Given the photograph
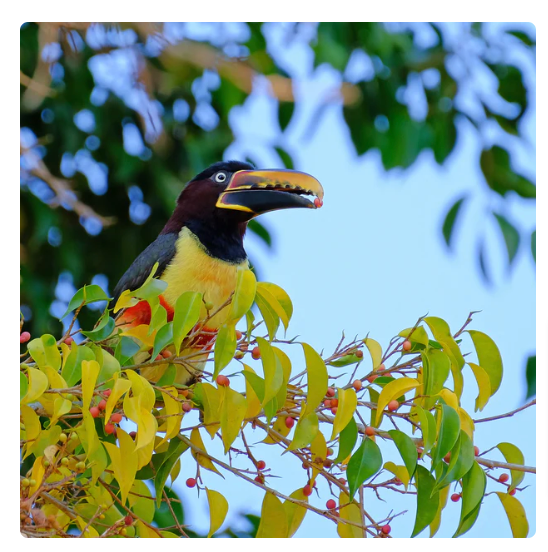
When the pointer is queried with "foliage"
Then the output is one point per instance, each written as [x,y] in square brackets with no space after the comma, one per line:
[83,471]
[116,117]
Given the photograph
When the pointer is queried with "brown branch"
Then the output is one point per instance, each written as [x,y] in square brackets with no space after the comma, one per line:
[508,414]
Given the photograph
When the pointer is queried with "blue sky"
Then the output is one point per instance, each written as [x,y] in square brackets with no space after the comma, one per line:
[373,260]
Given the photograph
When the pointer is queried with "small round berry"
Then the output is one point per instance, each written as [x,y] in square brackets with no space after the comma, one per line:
[327,463]
[128,520]
[327,403]
[107,393]
[123,532]
[116,418]
[33,484]
[504,477]
[393,405]
[386,529]
[359,353]
[209,306]
[133,434]
[476,451]
[239,335]
[166,354]
[511,493]
[102,404]
[24,337]
[370,431]
[334,402]
[455,497]
[25,482]
[239,355]
[187,407]
[406,345]
[64,461]
[191,482]
[381,367]
[63,437]
[260,479]
[80,466]
[329,451]
[222,380]
[289,422]
[334,410]
[94,411]
[159,357]
[372,378]
[342,480]
[110,429]
[69,340]
[307,490]
[357,384]
[330,392]
[256,353]
[261,465]
[330,504]
[447,458]
[46,463]
[74,435]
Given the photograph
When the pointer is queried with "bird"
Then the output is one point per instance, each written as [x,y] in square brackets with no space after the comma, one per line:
[201,246]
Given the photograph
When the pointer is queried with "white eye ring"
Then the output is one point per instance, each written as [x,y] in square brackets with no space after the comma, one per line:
[220,177]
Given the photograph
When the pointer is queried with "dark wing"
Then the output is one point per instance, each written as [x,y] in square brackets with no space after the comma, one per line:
[160,251]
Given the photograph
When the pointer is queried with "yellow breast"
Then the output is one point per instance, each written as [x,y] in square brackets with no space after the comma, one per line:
[192,269]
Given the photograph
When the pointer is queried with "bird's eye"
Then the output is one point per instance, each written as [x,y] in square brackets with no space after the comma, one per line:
[220,177]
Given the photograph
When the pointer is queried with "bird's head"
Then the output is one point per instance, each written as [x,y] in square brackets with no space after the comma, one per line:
[236,191]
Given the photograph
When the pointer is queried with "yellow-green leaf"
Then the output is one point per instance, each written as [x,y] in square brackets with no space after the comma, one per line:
[375,350]
[60,407]
[273,371]
[196,440]
[513,455]
[442,333]
[435,525]
[400,472]
[484,385]
[45,352]
[516,515]
[273,303]
[233,411]
[38,383]
[349,511]
[173,410]
[316,374]
[273,522]
[211,398]
[295,512]
[393,390]
[225,347]
[253,402]
[489,357]
[282,297]
[218,508]
[120,387]
[244,294]
[123,461]
[305,431]
[348,401]
[270,317]
[186,315]
[32,426]
[90,371]
[417,335]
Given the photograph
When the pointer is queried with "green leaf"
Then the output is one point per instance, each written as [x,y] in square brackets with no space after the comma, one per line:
[260,230]
[489,357]
[72,370]
[305,431]
[407,449]
[448,433]
[125,350]
[186,316]
[273,371]
[428,428]
[162,339]
[442,333]
[510,235]
[103,330]
[436,368]
[277,300]
[363,464]
[285,112]
[347,440]
[285,157]
[45,352]
[270,317]
[23,385]
[516,515]
[85,296]
[462,459]
[244,294]
[531,376]
[473,490]
[450,219]
[534,245]
[175,450]
[513,455]
[225,347]
[524,37]
[427,504]
[256,382]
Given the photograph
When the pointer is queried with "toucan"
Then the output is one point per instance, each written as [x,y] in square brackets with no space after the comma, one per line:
[201,246]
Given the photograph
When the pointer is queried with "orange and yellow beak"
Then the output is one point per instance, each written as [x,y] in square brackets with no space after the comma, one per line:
[257,192]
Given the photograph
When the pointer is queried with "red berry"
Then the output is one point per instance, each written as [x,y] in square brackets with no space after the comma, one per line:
[128,520]
[334,410]
[133,434]
[381,367]
[259,479]
[159,357]
[187,407]
[455,497]
[24,337]
[476,451]
[329,451]
[386,529]
[359,353]
[166,354]
[191,482]
[239,335]
[357,384]
[327,403]
[447,458]
[307,490]
[261,465]
[370,431]
[110,428]
[289,422]
[330,504]
[116,418]
[330,392]
[222,380]
[102,404]
[94,411]
[504,477]
[393,405]
[69,340]
[107,393]
[327,463]
[371,379]
[406,345]
[512,492]
[256,353]
[334,402]
[342,480]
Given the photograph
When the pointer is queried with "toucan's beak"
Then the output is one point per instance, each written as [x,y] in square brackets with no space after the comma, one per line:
[257,192]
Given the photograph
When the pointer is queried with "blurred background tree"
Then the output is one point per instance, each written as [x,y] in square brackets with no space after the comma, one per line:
[116,117]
